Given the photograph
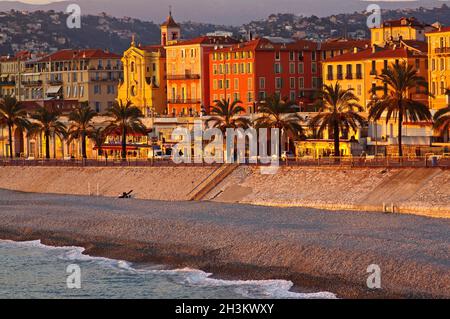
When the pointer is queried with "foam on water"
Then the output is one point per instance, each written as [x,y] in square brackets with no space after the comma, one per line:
[190,277]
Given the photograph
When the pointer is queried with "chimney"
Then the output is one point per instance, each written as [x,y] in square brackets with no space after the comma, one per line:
[374,48]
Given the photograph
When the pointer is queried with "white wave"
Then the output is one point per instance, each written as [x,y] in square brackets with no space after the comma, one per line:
[277,289]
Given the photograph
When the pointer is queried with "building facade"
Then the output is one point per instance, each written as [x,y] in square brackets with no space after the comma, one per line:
[144,79]
[439,67]
[251,71]
[401,29]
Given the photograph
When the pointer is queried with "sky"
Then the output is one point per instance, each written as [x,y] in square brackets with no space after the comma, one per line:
[228,11]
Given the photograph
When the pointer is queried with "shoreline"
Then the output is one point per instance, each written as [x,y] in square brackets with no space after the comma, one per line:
[235,241]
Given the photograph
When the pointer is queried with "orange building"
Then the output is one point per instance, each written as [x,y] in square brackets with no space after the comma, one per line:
[188,88]
[251,71]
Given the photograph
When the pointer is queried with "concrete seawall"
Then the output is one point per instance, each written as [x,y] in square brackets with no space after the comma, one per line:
[418,191]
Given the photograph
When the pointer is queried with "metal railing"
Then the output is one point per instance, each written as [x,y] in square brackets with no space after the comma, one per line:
[355,162]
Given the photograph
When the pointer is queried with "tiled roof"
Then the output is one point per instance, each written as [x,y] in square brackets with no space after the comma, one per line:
[208,40]
[442,29]
[368,54]
[342,44]
[264,44]
[64,55]
[412,22]
[419,45]
[170,22]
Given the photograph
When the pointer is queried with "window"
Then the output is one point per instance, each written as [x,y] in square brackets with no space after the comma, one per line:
[277,68]
[249,68]
[262,96]
[97,89]
[442,88]
[277,55]
[301,83]
[262,83]
[227,84]
[291,56]
[236,96]
[315,82]
[235,68]
[314,67]
[292,83]
[359,89]
[250,96]
[278,83]
[417,64]
[236,84]
[220,84]
[330,73]
[215,86]
[81,91]
[291,68]
[301,68]
[313,56]
[292,96]
[215,69]
[97,107]
[250,83]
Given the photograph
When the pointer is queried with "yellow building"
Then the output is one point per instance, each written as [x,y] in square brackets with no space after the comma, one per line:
[439,66]
[144,81]
[402,29]
[358,71]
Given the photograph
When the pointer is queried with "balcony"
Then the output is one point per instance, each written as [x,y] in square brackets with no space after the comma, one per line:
[184,101]
[442,50]
[184,77]
[32,83]
[374,72]
[55,82]
[359,76]
[349,76]
[7,83]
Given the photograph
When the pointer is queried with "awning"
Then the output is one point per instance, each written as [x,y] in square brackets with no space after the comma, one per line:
[54,89]
[117,148]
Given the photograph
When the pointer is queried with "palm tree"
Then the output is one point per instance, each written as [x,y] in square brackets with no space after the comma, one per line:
[442,119]
[281,114]
[98,136]
[226,115]
[400,79]
[13,114]
[126,118]
[47,122]
[81,126]
[338,112]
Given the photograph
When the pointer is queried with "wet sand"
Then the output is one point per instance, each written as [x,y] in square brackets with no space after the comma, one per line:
[317,250]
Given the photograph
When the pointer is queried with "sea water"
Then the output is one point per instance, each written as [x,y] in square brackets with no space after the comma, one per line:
[32,270]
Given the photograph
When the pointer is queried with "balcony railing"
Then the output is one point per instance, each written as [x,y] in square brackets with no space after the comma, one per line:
[349,76]
[184,77]
[359,76]
[32,83]
[442,50]
[184,101]
[55,82]
[373,72]
[7,83]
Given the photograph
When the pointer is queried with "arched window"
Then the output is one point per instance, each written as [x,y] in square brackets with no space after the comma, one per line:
[132,66]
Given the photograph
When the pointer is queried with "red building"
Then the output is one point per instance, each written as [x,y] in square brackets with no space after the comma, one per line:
[253,70]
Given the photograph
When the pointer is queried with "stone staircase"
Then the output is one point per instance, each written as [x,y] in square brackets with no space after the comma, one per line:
[208,184]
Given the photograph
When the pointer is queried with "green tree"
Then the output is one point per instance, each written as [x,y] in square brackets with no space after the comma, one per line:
[13,114]
[46,121]
[81,124]
[442,119]
[280,113]
[98,136]
[226,115]
[399,81]
[338,112]
[126,118]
